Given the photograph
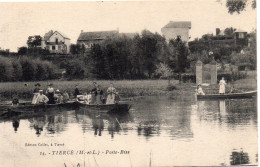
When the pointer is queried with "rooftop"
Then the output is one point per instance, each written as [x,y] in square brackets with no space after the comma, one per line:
[178,24]
[96,35]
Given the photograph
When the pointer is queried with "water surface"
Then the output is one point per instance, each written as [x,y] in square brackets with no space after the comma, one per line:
[157,131]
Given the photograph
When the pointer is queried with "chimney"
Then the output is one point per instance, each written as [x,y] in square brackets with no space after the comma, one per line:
[217,31]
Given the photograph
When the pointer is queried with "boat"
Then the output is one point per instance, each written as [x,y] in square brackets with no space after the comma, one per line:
[29,107]
[104,108]
[248,94]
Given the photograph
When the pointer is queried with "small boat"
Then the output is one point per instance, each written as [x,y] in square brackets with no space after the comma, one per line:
[248,94]
[118,107]
[28,107]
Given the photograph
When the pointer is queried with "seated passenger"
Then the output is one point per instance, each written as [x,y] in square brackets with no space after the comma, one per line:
[58,96]
[65,96]
[199,90]
[99,95]
[15,100]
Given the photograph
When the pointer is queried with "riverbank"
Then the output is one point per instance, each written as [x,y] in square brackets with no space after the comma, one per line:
[126,88]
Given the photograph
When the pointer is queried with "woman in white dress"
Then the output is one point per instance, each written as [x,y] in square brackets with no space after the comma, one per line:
[222,84]
[111,91]
[36,93]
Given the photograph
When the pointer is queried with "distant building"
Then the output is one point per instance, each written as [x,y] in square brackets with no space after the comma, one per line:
[90,38]
[56,42]
[174,29]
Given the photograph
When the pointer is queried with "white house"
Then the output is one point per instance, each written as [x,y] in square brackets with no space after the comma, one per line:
[56,42]
[174,29]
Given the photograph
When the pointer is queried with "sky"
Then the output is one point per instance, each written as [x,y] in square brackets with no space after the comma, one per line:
[18,20]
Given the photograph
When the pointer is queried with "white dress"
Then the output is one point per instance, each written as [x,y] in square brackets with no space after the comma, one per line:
[111,95]
[222,84]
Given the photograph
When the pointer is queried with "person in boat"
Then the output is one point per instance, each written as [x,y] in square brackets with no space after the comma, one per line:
[222,84]
[58,96]
[111,94]
[93,93]
[99,95]
[76,92]
[16,123]
[15,100]
[36,92]
[200,90]
[65,96]
[42,99]
[50,94]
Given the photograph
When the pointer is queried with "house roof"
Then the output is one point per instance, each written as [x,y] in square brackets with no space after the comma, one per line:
[96,35]
[178,24]
[130,35]
[50,33]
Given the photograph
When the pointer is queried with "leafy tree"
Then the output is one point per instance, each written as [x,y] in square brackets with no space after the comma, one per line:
[179,54]
[229,31]
[238,5]
[22,50]
[34,41]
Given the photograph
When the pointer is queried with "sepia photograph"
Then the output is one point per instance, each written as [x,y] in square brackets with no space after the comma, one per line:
[128,83]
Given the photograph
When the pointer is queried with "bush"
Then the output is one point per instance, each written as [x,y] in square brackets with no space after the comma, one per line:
[6,69]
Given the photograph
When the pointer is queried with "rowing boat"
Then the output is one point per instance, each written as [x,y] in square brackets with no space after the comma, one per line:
[27,107]
[104,108]
[248,94]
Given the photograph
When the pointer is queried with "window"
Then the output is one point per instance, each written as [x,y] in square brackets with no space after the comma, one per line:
[56,40]
[53,47]
[241,35]
[48,47]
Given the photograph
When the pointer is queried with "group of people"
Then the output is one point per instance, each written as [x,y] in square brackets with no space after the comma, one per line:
[222,88]
[52,96]
[97,96]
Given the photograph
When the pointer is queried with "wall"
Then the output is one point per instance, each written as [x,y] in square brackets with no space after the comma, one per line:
[171,33]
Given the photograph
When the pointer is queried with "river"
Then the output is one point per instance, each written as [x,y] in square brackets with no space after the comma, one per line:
[157,131]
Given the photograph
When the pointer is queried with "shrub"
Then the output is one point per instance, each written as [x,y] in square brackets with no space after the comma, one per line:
[6,69]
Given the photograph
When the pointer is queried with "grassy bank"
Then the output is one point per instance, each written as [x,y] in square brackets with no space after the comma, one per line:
[126,88]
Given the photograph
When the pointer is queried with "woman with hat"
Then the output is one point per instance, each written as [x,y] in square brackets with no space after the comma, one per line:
[99,95]
[50,94]
[36,92]
[58,96]
[111,91]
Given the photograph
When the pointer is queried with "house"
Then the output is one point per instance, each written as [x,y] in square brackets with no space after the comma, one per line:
[174,29]
[56,42]
[90,38]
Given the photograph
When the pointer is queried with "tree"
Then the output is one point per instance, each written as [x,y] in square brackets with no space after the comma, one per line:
[229,31]
[238,5]
[179,53]
[22,50]
[34,41]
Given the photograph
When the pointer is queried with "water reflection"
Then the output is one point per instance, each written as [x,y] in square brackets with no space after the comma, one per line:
[208,129]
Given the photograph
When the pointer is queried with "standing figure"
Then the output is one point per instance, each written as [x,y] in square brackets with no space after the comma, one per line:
[65,97]
[36,92]
[222,84]
[93,93]
[111,91]
[99,96]
[50,94]
[42,99]
[76,92]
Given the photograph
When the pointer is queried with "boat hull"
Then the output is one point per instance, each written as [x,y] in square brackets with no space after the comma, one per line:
[105,108]
[228,96]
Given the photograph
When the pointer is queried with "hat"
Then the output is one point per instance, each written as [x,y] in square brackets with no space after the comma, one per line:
[50,84]
[37,84]
[40,90]
[57,90]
